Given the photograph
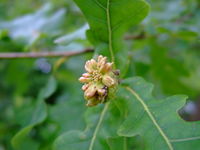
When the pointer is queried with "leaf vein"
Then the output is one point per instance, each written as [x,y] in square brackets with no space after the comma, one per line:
[109,31]
[185,139]
[151,117]
[100,5]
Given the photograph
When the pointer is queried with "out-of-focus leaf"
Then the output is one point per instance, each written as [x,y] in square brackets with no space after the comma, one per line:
[72,140]
[49,89]
[79,34]
[167,70]
[36,117]
[193,81]
[30,27]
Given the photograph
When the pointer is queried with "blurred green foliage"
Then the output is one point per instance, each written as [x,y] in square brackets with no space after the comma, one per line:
[39,103]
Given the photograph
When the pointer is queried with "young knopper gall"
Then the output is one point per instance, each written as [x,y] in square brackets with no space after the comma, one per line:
[100,81]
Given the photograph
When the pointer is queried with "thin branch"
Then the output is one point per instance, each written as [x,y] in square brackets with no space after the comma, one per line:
[14,55]
[184,18]
[43,54]
[135,37]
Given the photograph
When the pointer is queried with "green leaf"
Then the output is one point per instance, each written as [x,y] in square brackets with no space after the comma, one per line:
[49,89]
[37,116]
[166,69]
[62,114]
[87,138]
[101,124]
[79,34]
[124,143]
[41,21]
[72,140]
[108,21]
[156,121]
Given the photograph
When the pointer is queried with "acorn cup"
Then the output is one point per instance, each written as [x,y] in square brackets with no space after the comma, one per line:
[100,81]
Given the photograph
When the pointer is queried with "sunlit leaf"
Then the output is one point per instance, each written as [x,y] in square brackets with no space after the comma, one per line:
[77,35]
[31,26]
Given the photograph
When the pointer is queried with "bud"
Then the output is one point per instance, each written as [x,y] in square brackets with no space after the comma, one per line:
[85,87]
[86,75]
[106,68]
[91,65]
[102,60]
[108,81]
[102,92]
[99,58]
[90,92]
[84,80]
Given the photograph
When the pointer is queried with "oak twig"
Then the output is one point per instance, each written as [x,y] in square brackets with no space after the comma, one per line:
[135,37]
[14,55]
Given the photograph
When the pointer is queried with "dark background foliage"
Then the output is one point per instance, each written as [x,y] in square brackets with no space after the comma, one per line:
[43,95]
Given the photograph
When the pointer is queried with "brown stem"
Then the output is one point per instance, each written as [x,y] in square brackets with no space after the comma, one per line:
[135,37]
[14,55]
[43,54]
